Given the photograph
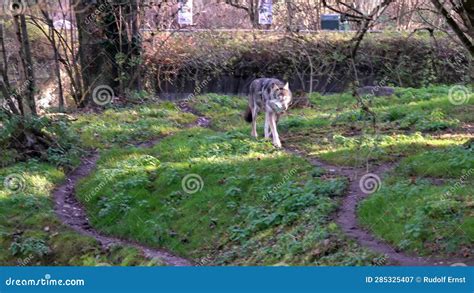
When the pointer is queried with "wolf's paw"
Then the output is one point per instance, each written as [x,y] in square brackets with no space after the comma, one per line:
[277,144]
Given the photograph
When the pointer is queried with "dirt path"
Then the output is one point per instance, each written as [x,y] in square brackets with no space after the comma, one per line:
[72,213]
[346,217]
[202,121]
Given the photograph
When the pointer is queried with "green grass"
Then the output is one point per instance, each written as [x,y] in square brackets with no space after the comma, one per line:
[124,126]
[257,205]
[422,217]
[450,162]
[30,232]
[357,151]
[32,235]
[224,111]
[407,123]
[425,205]
[409,127]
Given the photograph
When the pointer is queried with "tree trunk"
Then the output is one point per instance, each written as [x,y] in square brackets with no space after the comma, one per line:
[57,66]
[97,64]
[5,82]
[19,22]
[469,7]
[110,49]
[290,14]
[136,46]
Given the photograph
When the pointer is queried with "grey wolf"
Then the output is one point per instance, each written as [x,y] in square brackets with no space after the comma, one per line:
[272,96]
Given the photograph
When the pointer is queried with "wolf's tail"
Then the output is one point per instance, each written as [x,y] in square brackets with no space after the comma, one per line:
[248,115]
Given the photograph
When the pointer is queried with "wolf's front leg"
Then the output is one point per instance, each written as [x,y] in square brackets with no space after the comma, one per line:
[273,127]
[267,124]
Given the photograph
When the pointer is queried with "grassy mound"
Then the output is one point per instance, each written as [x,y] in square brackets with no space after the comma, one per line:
[425,205]
[30,232]
[32,235]
[253,204]
[219,196]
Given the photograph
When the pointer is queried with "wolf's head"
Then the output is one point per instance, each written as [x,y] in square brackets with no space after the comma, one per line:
[282,95]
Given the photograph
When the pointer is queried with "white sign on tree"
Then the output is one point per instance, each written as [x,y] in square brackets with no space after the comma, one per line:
[185,12]
[265,14]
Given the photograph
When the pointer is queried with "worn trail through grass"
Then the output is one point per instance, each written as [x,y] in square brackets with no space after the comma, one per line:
[346,217]
[73,214]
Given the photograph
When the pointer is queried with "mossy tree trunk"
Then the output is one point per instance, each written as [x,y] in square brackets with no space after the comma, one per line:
[109,45]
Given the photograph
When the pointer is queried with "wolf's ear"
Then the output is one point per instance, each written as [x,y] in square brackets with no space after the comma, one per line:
[287,86]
